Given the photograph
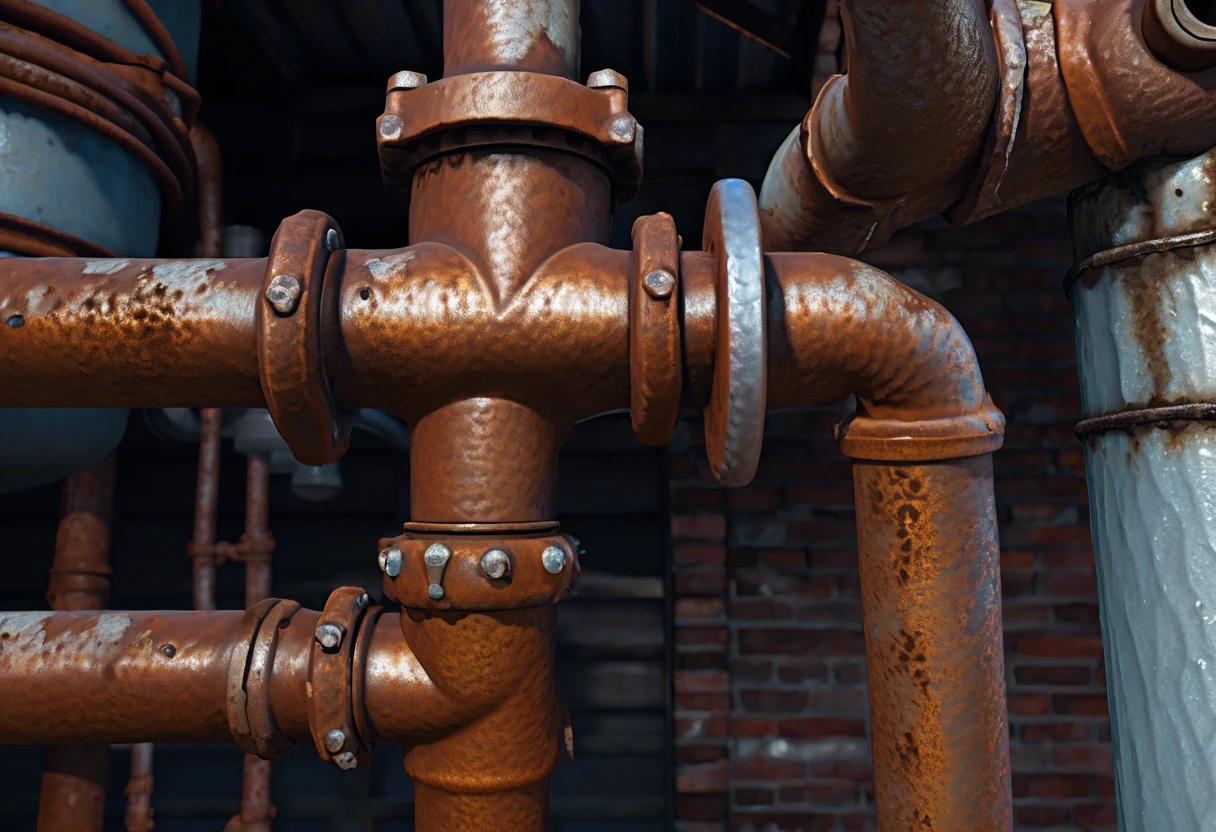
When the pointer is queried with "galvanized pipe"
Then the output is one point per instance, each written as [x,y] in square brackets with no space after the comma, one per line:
[74,776]
[1144,297]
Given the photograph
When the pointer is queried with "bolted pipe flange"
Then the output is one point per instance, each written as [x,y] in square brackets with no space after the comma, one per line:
[521,109]
[656,368]
[331,698]
[291,365]
[734,419]
[475,569]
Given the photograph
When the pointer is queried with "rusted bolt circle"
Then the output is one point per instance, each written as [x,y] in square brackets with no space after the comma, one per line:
[659,284]
[329,636]
[390,561]
[334,740]
[346,761]
[554,559]
[284,294]
[390,127]
[406,80]
[607,79]
[496,563]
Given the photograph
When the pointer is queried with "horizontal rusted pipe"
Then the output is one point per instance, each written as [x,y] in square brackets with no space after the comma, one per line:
[112,677]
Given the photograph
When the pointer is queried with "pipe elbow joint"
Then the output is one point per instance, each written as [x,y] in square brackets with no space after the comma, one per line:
[840,327]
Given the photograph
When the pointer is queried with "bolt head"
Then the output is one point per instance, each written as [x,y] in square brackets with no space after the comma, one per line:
[659,284]
[554,559]
[390,128]
[334,741]
[437,555]
[390,561]
[406,80]
[623,129]
[362,600]
[435,591]
[329,636]
[496,563]
[346,761]
[283,293]
[333,240]
[607,79]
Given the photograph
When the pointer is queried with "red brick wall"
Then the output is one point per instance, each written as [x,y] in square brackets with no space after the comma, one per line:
[771,714]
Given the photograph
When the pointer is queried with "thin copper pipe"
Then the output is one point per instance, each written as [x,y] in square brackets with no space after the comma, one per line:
[205,507]
[139,789]
[74,776]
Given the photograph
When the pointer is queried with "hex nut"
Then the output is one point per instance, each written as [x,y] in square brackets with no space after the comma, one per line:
[406,80]
[390,561]
[329,636]
[283,293]
[554,559]
[659,284]
[496,563]
[346,761]
[334,740]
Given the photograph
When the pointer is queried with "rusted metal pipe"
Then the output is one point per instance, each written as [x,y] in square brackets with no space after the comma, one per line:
[74,776]
[1066,110]
[139,814]
[528,36]
[206,498]
[257,810]
[907,120]
[922,439]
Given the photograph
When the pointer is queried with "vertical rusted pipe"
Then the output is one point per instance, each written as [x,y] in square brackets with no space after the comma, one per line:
[257,810]
[202,546]
[525,35]
[930,579]
[139,789]
[74,776]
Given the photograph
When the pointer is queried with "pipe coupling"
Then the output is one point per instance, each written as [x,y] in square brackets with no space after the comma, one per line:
[480,567]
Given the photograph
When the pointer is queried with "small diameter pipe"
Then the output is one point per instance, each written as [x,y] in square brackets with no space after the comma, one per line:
[74,776]
[139,789]
[257,810]
[206,497]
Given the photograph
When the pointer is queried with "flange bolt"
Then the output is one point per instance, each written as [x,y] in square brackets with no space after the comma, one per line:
[390,561]
[329,636]
[284,293]
[334,741]
[346,761]
[554,559]
[496,563]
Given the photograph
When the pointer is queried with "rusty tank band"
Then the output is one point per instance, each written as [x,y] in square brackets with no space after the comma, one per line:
[1130,251]
[1160,416]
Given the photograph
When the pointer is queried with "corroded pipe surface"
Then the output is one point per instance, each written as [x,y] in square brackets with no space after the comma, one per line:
[73,797]
[139,814]
[74,776]
[162,333]
[206,497]
[930,576]
[526,35]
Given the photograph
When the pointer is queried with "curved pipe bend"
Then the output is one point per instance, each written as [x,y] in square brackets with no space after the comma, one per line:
[839,327]
[909,118]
